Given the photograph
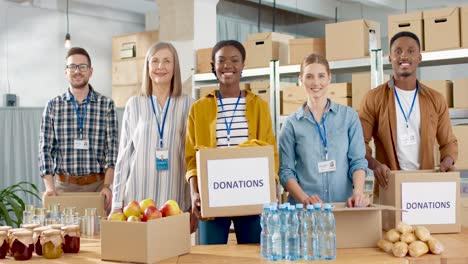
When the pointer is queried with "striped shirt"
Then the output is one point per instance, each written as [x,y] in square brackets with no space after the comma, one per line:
[59,129]
[136,177]
[239,128]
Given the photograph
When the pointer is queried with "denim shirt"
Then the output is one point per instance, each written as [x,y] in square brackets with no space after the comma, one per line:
[301,148]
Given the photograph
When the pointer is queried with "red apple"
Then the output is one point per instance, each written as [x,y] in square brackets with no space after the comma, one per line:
[133,218]
[145,203]
[171,207]
[152,213]
[133,208]
[117,217]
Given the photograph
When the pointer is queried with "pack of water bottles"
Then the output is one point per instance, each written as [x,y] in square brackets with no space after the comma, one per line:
[292,233]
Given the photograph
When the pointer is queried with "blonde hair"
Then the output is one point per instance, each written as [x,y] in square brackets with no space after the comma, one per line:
[176,81]
[314,58]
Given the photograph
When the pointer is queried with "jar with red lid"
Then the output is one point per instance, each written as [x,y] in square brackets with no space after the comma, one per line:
[21,245]
[4,245]
[51,241]
[37,232]
[71,239]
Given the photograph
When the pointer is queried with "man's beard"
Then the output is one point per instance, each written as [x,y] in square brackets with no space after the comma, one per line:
[405,74]
[81,85]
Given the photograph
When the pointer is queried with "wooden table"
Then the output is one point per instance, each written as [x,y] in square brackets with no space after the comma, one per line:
[456,252]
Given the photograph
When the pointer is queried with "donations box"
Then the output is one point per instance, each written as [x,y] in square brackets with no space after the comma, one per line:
[427,198]
[235,181]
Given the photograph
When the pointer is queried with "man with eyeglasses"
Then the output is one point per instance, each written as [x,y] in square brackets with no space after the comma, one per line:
[78,137]
[405,117]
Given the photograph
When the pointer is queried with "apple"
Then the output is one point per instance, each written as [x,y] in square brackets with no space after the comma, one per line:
[119,216]
[132,209]
[133,218]
[143,218]
[152,212]
[145,203]
[171,207]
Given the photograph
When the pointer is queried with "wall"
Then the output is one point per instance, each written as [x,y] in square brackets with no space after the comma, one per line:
[31,44]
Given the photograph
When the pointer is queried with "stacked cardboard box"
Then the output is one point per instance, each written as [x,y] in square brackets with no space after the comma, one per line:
[411,22]
[355,34]
[292,98]
[442,29]
[361,83]
[261,48]
[445,87]
[460,93]
[464,26]
[340,93]
[128,58]
[204,60]
[300,48]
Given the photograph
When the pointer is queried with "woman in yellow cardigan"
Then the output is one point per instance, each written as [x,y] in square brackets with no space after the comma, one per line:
[226,117]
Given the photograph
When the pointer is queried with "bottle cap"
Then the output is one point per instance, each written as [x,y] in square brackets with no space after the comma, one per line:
[299,206]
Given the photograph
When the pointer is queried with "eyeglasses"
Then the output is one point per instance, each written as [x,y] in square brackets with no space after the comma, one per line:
[81,67]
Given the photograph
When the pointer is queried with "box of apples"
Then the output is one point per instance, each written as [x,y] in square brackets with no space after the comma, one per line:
[145,234]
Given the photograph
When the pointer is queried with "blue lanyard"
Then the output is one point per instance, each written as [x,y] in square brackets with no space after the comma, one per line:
[228,127]
[323,136]
[412,104]
[77,112]
[160,129]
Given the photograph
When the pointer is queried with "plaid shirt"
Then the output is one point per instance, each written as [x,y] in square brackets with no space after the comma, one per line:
[59,129]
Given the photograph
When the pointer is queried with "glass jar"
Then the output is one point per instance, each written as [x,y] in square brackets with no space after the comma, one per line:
[71,237]
[37,232]
[22,246]
[4,245]
[28,214]
[10,233]
[40,216]
[68,216]
[51,241]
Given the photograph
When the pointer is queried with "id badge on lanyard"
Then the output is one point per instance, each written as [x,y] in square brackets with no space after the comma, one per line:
[162,154]
[408,138]
[80,143]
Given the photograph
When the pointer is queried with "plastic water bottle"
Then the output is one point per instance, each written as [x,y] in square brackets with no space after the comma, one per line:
[309,249]
[319,228]
[292,235]
[300,216]
[265,235]
[275,230]
[283,215]
[329,236]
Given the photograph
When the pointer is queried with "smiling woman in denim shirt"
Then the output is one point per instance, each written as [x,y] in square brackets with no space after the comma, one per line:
[321,145]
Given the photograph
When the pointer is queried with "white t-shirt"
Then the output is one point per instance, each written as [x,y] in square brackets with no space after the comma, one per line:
[408,137]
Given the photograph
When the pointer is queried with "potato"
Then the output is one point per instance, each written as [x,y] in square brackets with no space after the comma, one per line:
[404,228]
[422,233]
[417,248]
[385,245]
[400,249]
[435,246]
[408,238]
[392,235]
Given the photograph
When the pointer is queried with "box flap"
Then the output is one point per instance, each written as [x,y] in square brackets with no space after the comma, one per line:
[441,13]
[259,36]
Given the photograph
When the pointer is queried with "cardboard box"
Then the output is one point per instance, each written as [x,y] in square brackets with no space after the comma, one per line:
[145,242]
[235,181]
[121,94]
[204,60]
[176,20]
[445,87]
[442,28]
[412,22]
[261,48]
[141,40]
[336,90]
[342,101]
[464,26]
[430,198]
[206,90]
[461,133]
[291,99]
[261,89]
[460,93]
[80,200]
[464,202]
[358,227]
[355,34]
[300,48]
[361,84]
[127,72]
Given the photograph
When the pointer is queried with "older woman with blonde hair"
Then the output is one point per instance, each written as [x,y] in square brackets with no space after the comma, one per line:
[150,162]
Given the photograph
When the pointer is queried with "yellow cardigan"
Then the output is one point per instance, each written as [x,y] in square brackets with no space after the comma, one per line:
[201,127]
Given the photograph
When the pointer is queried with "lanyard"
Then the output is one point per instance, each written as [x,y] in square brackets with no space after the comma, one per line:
[160,129]
[412,104]
[77,112]
[323,136]
[228,127]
